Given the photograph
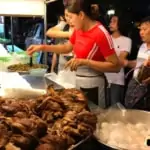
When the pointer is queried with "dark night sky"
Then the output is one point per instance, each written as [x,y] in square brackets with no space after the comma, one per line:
[136,9]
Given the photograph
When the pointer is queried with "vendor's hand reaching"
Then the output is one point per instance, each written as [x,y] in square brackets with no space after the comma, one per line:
[124,63]
[34,48]
[147,81]
[147,63]
[74,63]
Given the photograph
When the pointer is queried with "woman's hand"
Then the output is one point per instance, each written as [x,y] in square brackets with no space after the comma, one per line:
[147,63]
[74,63]
[34,48]
[124,63]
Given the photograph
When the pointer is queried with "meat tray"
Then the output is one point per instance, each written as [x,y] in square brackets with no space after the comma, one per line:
[58,120]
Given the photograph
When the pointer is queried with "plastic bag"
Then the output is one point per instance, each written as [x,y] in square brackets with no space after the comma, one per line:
[20,89]
[22,57]
[65,78]
[25,93]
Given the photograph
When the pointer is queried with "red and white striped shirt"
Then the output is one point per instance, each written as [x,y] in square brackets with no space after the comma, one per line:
[95,44]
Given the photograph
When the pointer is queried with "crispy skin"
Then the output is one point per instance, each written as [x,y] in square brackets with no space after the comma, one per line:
[4,135]
[46,147]
[55,121]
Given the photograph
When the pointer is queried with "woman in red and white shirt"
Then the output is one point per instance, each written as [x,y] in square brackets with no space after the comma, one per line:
[93,49]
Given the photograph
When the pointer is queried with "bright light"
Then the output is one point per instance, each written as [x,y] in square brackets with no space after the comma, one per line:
[49,1]
[111,12]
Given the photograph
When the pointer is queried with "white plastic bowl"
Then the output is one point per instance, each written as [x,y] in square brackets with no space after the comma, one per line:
[38,72]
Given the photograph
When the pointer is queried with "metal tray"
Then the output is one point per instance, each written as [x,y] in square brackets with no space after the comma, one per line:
[79,143]
[38,82]
[20,72]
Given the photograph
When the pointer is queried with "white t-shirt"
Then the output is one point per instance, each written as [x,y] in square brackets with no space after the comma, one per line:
[121,44]
[143,55]
[61,25]
[62,60]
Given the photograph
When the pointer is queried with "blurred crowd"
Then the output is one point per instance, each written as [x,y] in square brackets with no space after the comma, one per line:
[131,84]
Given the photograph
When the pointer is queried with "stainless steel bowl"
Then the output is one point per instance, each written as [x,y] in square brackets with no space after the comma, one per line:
[125,116]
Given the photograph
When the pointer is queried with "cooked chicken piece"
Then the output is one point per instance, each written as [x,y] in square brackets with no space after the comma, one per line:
[10,108]
[21,115]
[4,135]
[47,116]
[34,124]
[59,140]
[57,99]
[71,131]
[89,127]
[70,115]
[58,125]
[58,114]
[46,147]
[42,106]
[69,123]
[48,104]
[11,146]
[77,107]
[51,91]
[87,117]
[76,95]
[84,130]
[69,140]
[18,128]
[20,141]
[64,112]
[28,124]
[54,106]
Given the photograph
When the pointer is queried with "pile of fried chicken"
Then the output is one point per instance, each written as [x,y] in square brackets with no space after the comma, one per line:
[54,121]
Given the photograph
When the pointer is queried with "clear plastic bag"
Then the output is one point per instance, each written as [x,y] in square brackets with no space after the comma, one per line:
[65,78]
[20,89]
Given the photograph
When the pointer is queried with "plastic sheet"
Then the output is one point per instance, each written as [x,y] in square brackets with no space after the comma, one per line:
[65,78]
[15,86]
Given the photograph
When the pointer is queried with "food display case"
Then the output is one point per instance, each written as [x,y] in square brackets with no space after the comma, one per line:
[24,9]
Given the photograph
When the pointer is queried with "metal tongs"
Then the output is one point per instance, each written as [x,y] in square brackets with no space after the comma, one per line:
[79,143]
[31,61]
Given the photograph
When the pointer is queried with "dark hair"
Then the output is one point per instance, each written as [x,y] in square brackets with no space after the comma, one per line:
[124,24]
[76,6]
[66,28]
[61,15]
[146,20]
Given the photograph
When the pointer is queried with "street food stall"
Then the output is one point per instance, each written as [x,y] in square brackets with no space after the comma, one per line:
[37,113]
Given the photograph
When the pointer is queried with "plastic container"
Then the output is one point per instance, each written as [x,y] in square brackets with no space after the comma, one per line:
[23,58]
[4,62]
[38,72]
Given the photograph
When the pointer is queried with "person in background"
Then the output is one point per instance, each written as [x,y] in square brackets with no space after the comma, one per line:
[61,32]
[143,55]
[122,47]
[93,50]
[100,14]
